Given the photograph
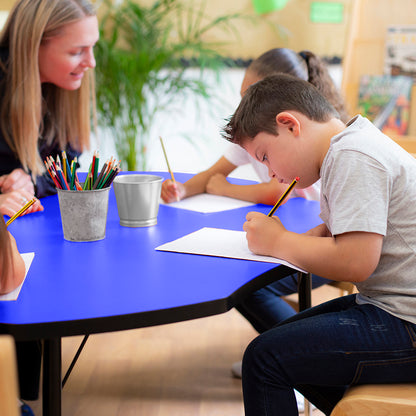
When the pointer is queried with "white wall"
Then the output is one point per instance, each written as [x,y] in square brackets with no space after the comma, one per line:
[191,135]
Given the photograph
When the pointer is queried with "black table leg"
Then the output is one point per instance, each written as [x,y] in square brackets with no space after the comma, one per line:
[52,384]
[304,290]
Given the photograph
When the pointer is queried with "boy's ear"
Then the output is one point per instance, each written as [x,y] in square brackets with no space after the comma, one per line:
[289,121]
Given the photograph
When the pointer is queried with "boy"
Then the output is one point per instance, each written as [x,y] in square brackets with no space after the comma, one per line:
[368,237]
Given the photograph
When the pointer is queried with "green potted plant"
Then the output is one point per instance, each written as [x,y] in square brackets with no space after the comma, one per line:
[142,60]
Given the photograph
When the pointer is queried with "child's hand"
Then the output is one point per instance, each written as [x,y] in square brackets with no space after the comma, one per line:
[262,233]
[11,202]
[172,191]
[217,184]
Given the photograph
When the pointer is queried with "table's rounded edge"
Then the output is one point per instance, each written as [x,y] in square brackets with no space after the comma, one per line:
[45,330]
[59,329]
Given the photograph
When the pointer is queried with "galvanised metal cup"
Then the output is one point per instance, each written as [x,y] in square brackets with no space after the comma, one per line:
[84,214]
[138,197]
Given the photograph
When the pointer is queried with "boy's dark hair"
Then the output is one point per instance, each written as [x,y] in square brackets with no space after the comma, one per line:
[265,99]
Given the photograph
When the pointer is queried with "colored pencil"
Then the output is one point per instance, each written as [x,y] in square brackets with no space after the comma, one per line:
[100,176]
[284,195]
[69,180]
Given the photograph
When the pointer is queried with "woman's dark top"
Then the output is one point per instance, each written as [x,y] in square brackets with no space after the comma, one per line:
[8,159]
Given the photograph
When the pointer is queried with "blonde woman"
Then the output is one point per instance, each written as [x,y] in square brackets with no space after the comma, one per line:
[46,47]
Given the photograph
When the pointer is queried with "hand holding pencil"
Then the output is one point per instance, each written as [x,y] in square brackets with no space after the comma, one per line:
[263,231]
[171,188]
[12,202]
[22,210]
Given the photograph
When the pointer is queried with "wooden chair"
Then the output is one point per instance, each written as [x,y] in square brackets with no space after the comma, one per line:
[378,400]
[8,377]
[346,288]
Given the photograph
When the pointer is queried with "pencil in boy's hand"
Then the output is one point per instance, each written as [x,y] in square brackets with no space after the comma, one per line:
[21,210]
[167,162]
[284,195]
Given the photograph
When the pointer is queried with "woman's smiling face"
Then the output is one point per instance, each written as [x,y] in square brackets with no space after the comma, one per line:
[63,59]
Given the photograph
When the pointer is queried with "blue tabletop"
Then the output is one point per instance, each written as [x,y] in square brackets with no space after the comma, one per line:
[72,287]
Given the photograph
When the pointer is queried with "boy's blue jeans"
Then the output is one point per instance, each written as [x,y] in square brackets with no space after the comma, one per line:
[264,308]
[321,351]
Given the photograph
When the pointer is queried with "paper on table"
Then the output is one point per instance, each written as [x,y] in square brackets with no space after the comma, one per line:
[207,203]
[219,243]
[27,257]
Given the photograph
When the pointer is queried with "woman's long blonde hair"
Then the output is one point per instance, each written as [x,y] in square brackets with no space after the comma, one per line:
[28,110]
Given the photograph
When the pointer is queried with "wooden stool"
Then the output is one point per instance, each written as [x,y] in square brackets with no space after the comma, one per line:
[346,288]
[8,377]
[378,400]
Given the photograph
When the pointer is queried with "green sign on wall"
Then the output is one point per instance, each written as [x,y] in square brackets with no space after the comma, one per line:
[267,6]
[326,12]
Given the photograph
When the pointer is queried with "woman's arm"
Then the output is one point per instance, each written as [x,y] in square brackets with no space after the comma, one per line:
[17,179]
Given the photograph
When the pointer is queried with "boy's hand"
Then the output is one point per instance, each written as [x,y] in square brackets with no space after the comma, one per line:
[172,191]
[262,233]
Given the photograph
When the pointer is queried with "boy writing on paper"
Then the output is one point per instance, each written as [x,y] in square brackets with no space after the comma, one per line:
[264,308]
[368,237]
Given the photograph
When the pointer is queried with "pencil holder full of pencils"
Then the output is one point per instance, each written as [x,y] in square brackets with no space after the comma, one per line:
[84,214]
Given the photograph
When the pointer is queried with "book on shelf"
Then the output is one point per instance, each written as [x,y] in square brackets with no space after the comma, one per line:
[385,100]
[400,50]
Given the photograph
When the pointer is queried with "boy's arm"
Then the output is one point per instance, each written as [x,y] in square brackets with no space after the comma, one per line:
[320,230]
[348,257]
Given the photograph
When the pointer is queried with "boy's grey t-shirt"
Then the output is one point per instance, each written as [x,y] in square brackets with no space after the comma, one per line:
[368,183]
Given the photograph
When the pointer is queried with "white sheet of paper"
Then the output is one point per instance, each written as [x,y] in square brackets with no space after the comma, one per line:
[207,203]
[219,243]
[27,257]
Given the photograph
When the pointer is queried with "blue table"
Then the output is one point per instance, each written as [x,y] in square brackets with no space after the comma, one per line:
[121,282]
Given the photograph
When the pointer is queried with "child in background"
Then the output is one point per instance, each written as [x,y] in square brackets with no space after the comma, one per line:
[368,237]
[304,65]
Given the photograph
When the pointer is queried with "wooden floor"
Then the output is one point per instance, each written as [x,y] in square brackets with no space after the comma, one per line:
[171,370]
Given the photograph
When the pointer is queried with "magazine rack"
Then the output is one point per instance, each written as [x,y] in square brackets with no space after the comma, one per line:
[365,50]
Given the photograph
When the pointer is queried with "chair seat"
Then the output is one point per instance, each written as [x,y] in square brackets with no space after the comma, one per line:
[346,288]
[378,400]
